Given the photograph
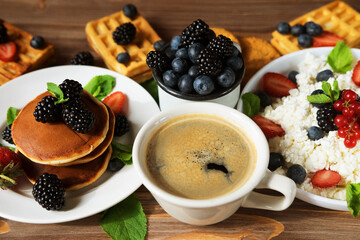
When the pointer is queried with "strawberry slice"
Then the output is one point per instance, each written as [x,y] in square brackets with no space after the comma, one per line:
[10,165]
[7,51]
[277,85]
[269,128]
[115,101]
[325,178]
[326,39]
[356,74]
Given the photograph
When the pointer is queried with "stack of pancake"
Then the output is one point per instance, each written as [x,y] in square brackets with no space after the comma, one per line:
[77,159]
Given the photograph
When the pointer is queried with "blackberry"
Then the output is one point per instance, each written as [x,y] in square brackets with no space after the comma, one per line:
[49,192]
[47,111]
[6,134]
[82,58]
[198,31]
[77,117]
[325,117]
[124,34]
[72,89]
[3,34]
[209,64]
[221,46]
[158,60]
[122,125]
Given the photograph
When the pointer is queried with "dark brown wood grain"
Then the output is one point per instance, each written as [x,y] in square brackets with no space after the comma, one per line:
[62,22]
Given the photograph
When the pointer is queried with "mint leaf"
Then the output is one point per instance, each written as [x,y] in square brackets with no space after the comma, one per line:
[353,198]
[326,87]
[11,115]
[100,86]
[11,148]
[319,98]
[251,104]
[122,152]
[57,92]
[152,88]
[125,220]
[340,58]
[335,91]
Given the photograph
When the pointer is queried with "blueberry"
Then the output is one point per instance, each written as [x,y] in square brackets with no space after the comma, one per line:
[297,173]
[297,29]
[175,42]
[203,85]
[115,165]
[292,76]
[182,53]
[265,99]
[158,45]
[235,51]
[185,84]
[313,29]
[315,133]
[276,160]
[226,78]
[179,65]
[130,10]
[37,42]
[316,92]
[305,40]
[123,57]
[324,75]
[170,53]
[283,28]
[170,78]
[194,51]
[193,71]
[236,63]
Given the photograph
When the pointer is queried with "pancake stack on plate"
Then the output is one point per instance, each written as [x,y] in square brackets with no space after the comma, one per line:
[77,159]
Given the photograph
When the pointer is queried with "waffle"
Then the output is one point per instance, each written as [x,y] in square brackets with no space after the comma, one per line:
[28,58]
[225,33]
[99,34]
[336,17]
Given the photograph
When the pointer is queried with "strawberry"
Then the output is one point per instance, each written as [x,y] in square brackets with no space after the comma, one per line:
[277,85]
[268,127]
[9,168]
[115,101]
[7,51]
[326,39]
[325,178]
[356,74]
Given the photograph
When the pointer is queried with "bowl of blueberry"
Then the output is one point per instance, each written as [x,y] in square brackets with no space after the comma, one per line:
[197,66]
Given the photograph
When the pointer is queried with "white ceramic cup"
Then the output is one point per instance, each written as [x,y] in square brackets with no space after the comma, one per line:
[210,211]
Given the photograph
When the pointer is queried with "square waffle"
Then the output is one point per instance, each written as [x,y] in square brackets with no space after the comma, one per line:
[336,17]
[27,58]
[99,34]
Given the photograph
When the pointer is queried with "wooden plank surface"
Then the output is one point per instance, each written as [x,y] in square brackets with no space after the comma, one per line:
[62,22]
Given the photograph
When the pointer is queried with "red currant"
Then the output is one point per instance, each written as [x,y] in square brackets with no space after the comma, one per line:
[350,142]
[348,112]
[339,105]
[349,95]
[340,121]
[355,126]
[356,107]
[357,134]
[342,132]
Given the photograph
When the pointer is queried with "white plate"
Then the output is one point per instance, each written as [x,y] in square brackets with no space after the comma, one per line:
[111,188]
[284,65]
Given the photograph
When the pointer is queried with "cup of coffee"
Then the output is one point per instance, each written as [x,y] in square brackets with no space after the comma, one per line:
[201,161]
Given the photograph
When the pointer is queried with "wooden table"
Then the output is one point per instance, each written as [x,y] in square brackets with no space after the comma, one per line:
[62,22]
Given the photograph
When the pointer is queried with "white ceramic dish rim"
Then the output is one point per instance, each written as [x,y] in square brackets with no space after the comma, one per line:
[283,65]
[20,205]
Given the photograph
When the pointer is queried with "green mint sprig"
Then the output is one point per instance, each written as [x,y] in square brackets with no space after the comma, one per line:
[122,152]
[125,220]
[100,86]
[251,104]
[11,114]
[340,58]
[353,198]
[331,94]
[57,92]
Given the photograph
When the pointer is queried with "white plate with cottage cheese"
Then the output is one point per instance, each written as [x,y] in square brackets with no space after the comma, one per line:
[295,114]
[18,204]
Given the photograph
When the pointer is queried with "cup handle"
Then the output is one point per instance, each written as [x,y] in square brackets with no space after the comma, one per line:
[276,182]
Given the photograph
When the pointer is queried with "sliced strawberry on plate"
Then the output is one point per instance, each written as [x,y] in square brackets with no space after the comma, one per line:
[325,178]
[356,74]
[277,85]
[115,101]
[326,39]
[9,168]
[269,128]
[7,51]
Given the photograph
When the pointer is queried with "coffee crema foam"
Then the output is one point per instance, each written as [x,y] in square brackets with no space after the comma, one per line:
[200,156]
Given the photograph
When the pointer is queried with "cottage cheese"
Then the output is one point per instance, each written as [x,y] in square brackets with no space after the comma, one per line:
[295,115]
